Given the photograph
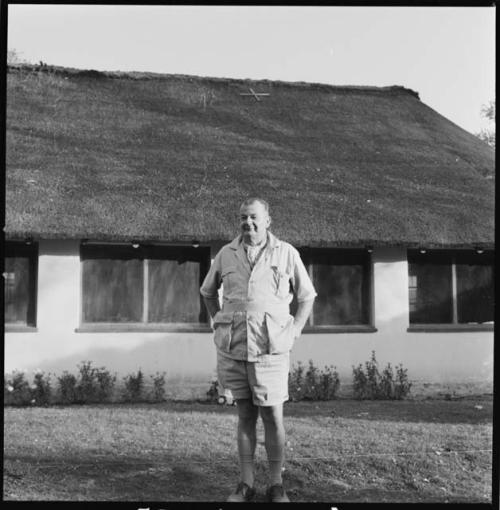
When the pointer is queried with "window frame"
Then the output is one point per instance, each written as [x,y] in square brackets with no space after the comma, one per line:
[307,253]
[13,249]
[446,326]
[144,325]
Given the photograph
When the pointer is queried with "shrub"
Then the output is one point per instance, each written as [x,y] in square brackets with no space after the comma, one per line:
[17,391]
[67,391]
[87,388]
[105,384]
[386,385]
[369,384]
[403,385]
[41,389]
[296,385]
[373,378]
[313,383]
[158,387]
[360,382]
[134,386]
[329,383]
[91,385]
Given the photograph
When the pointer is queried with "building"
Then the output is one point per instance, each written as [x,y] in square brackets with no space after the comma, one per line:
[121,187]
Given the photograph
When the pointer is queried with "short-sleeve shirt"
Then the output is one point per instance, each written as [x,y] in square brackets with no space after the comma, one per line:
[255,318]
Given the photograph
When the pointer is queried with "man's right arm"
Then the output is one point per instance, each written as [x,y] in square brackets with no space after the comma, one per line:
[212,304]
[210,287]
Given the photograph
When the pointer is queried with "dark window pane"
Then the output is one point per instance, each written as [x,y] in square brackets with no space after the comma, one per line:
[475,292]
[20,284]
[112,285]
[431,299]
[175,276]
[16,289]
[340,295]
[341,279]
[174,291]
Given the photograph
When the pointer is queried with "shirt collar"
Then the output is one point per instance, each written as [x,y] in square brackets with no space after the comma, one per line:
[272,241]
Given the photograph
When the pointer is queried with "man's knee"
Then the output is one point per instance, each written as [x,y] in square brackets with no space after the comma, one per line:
[247,411]
[272,415]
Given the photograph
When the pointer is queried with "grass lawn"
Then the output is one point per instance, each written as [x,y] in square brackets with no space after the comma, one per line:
[337,451]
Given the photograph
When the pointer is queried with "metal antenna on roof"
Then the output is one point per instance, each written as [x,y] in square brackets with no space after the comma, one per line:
[254,94]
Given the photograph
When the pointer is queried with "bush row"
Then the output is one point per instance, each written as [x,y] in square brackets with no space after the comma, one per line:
[96,384]
[368,382]
[90,385]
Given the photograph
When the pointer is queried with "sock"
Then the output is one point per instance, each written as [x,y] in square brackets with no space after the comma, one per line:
[246,451]
[275,448]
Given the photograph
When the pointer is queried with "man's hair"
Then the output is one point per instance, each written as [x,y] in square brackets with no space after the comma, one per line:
[252,200]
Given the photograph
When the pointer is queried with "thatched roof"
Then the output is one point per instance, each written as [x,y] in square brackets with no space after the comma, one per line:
[140,156]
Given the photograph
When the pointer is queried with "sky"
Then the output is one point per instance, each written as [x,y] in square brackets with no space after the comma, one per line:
[446,54]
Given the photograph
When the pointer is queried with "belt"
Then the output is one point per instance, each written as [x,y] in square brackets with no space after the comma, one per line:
[248,306]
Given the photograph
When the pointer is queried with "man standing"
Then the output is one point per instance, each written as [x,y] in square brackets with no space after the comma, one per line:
[254,333]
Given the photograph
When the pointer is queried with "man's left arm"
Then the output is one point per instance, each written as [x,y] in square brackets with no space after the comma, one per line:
[304,291]
[304,309]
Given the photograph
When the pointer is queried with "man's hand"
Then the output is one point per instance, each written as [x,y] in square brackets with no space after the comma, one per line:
[297,331]
[303,311]
[212,305]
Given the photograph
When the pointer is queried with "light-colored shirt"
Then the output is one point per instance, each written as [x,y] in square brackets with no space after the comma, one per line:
[255,318]
[253,252]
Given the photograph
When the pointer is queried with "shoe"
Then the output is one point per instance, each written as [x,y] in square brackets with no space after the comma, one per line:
[242,494]
[276,494]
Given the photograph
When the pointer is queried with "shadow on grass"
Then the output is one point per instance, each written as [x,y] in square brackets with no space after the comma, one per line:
[130,478]
[427,411]
[126,478]
[472,411]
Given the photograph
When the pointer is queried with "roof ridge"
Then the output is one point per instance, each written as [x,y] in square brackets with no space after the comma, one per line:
[145,75]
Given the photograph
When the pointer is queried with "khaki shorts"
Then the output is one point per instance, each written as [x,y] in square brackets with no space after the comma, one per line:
[265,381]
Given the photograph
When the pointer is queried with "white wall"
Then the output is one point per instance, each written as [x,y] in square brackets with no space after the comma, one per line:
[189,358]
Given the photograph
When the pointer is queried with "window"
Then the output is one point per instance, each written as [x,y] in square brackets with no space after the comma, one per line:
[451,287]
[20,284]
[143,286]
[342,279]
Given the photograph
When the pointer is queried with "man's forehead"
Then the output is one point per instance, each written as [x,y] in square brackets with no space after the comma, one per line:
[252,208]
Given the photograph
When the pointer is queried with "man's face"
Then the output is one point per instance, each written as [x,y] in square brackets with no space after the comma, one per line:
[254,221]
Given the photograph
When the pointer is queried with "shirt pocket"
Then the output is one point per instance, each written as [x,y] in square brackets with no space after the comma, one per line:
[280,332]
[223,326]
[281,282]
[229,279]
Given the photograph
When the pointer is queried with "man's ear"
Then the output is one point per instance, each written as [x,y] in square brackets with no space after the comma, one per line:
[268,221]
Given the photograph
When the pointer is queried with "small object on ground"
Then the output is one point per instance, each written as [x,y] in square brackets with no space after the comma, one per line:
[225,397]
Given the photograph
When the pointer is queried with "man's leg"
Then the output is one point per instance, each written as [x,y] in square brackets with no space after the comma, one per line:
[274,431]
[247,438]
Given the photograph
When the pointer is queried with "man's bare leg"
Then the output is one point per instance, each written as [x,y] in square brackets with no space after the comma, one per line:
[247,438]
[274,431]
